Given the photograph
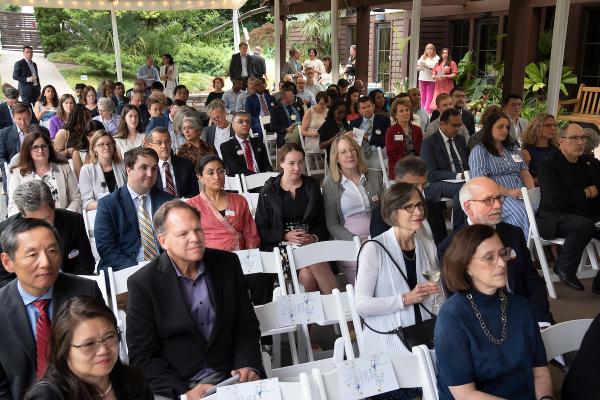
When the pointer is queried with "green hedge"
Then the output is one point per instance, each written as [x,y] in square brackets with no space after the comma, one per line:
[211,60]
[90,62]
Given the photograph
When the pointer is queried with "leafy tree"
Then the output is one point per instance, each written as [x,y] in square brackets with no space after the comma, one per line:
[316,29]
[51,23]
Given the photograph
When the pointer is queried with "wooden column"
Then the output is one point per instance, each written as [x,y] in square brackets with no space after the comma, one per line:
[518,41]
[363,25]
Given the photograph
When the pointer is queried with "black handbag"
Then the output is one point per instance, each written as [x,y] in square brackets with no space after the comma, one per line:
[414,335]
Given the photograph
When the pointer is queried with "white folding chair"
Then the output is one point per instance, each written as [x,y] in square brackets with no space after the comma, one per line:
[252,200]
[564,337]
[467,175]
[384,167]
[254,181]
[118,284]
[233,184]
[100,280]
[7,174]
[298,390]
[313,159]
[269,139]
[89,219]
[532,197]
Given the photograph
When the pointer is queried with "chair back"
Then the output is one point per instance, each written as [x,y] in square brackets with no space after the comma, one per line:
[100,280]
[254,181]
[89,218]
[118,283]
[384,168]
[232,184]
[252,200]
[531,198]
[564,337]
[7,174]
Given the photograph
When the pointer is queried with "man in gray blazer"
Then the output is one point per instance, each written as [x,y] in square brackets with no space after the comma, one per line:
[28,304]
[220,130]
[293,67]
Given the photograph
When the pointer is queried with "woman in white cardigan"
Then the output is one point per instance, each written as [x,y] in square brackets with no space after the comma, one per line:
[39,160]
[105,172]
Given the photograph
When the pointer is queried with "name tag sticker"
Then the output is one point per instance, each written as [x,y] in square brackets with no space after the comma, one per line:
[240,152]
[398,138]
[375,198]
[516,158]
[73,254]
[229,213]
[378,132]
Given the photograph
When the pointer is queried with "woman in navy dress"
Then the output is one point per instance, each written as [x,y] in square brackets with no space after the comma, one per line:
[498,157]
[540,140]
[487,341]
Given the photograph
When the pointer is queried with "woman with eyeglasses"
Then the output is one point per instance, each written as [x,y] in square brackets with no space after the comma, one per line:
[109,119]
[105,172]
[38,160]
[498,157]
[129,134]
[194,148]
[403,138]
[390,285]
[350,192]
[84,358]
[68,137]
[487,340]
[540,140]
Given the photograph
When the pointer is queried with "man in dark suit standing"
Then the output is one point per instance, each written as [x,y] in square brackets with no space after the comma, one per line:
[190,322]
[12,137]
[260,104]
[445,153]
[34,200]
[28,303]
[374,126]
[123,228]
[287,117]
[459,100]
[243,154]
[260,66]
[176,174]
[482,202]
[241,65]
[221,130]
[26,73]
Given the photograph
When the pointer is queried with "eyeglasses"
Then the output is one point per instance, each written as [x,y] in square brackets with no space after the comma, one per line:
[39,147]
[490,200]
[506,254]
[549,126]
[166,142]
[104,145]
[575,139]
[212,172]
[90,348]
[410,208]
[242,121]
[457,126]
[348,151]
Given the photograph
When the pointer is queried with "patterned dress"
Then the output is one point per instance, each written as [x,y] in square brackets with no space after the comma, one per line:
[193,153]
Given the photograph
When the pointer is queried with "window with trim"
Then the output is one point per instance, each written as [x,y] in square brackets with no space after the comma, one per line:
[486,47]
[459,39]
[383,56]
[589,65]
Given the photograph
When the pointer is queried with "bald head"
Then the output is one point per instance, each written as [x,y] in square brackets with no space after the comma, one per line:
[480,199]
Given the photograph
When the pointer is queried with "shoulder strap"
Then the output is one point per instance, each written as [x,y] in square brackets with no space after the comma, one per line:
[395,263]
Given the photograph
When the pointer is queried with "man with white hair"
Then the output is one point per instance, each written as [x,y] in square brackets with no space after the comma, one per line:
[481,201]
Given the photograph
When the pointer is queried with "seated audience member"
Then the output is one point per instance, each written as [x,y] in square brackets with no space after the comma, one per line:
[333,92]
[335,123]
[194,149]
[39,161]
[403,138]
[105,172]
[592,140]
[311,81]
[167,121]
[415,99]
[220,338]
[157,88]
[446,156]
[379,103]
[181,92]
[119,96]
[498,157]
[540,140]
[352,104]
[350,192]
[313,118]
[81,154]
[66,104]
[390,288]
[12,136]
[130,133]
[444,102]
[221,130]
[513,105]
[79,92]
[259,104]
[106,108]
[413,170]
[308,98]
[176,132]
[46,105]
[160,115]
[176,174]
[156,105]
[84,357]
[487,342]
[290,210]
[218,85]
[137,99]
[240,104]
[32,251]
[581,381]
[374,127]
[481,200]
[11,96]
[243,154]
[286,118]
[107,89]
[569,206]
[343,86]
[69,136]
[139,85]
[34,199]
[89,98]
[230,97]
[459,101]
[475,139]
[123,228]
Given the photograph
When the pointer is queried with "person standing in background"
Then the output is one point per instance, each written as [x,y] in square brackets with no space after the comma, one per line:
[426,82]
[26,72]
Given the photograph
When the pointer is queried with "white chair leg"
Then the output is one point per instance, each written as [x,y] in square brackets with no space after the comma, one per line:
[545,269]
[592,256]
[293,348]
[276,351]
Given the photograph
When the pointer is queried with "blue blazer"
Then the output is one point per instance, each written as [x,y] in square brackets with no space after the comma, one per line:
[439,166]
[253,108]
[158,121]
[117,230]
[9,144]
[380,123]
[21,72]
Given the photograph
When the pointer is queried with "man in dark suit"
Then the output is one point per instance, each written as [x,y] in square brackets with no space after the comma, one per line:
[570,205]
[242,65]
[34,200]
[28,303]
[459,100]
[287,117]
[482,202]
[243,154]
[375,128]
[260,66]
[12,97]
[12,137]
[26,73]
[445,153]
[221,130]
[123,229]
[176,174]
[190,322]
[259,104]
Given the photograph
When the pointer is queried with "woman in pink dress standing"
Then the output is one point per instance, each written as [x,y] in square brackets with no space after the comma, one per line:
[443,74]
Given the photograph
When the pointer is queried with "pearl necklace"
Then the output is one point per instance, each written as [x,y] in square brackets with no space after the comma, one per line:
[103,395]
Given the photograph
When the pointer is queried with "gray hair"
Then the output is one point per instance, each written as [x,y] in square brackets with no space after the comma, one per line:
[465,194]
[217,104]
[194,121]
[410,165]
[184,111]
[158,129]
[10,235]
[104,103]
[592,140]
[32,195]
[161,215]
[240,114]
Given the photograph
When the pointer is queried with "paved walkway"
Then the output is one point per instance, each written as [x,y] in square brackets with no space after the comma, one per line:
[48,72]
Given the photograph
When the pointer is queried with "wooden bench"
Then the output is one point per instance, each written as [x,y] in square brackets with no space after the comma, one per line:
[587,106]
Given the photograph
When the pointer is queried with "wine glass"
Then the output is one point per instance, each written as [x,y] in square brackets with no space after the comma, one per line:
[433,275]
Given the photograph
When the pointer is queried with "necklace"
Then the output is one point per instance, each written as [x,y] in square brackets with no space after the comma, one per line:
[486,331]
[408,258]
[103,395]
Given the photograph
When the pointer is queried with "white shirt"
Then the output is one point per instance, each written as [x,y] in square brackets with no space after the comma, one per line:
[447,144]
[221,136]
[241,142]
[162,173]
[244,65]
[354,199]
